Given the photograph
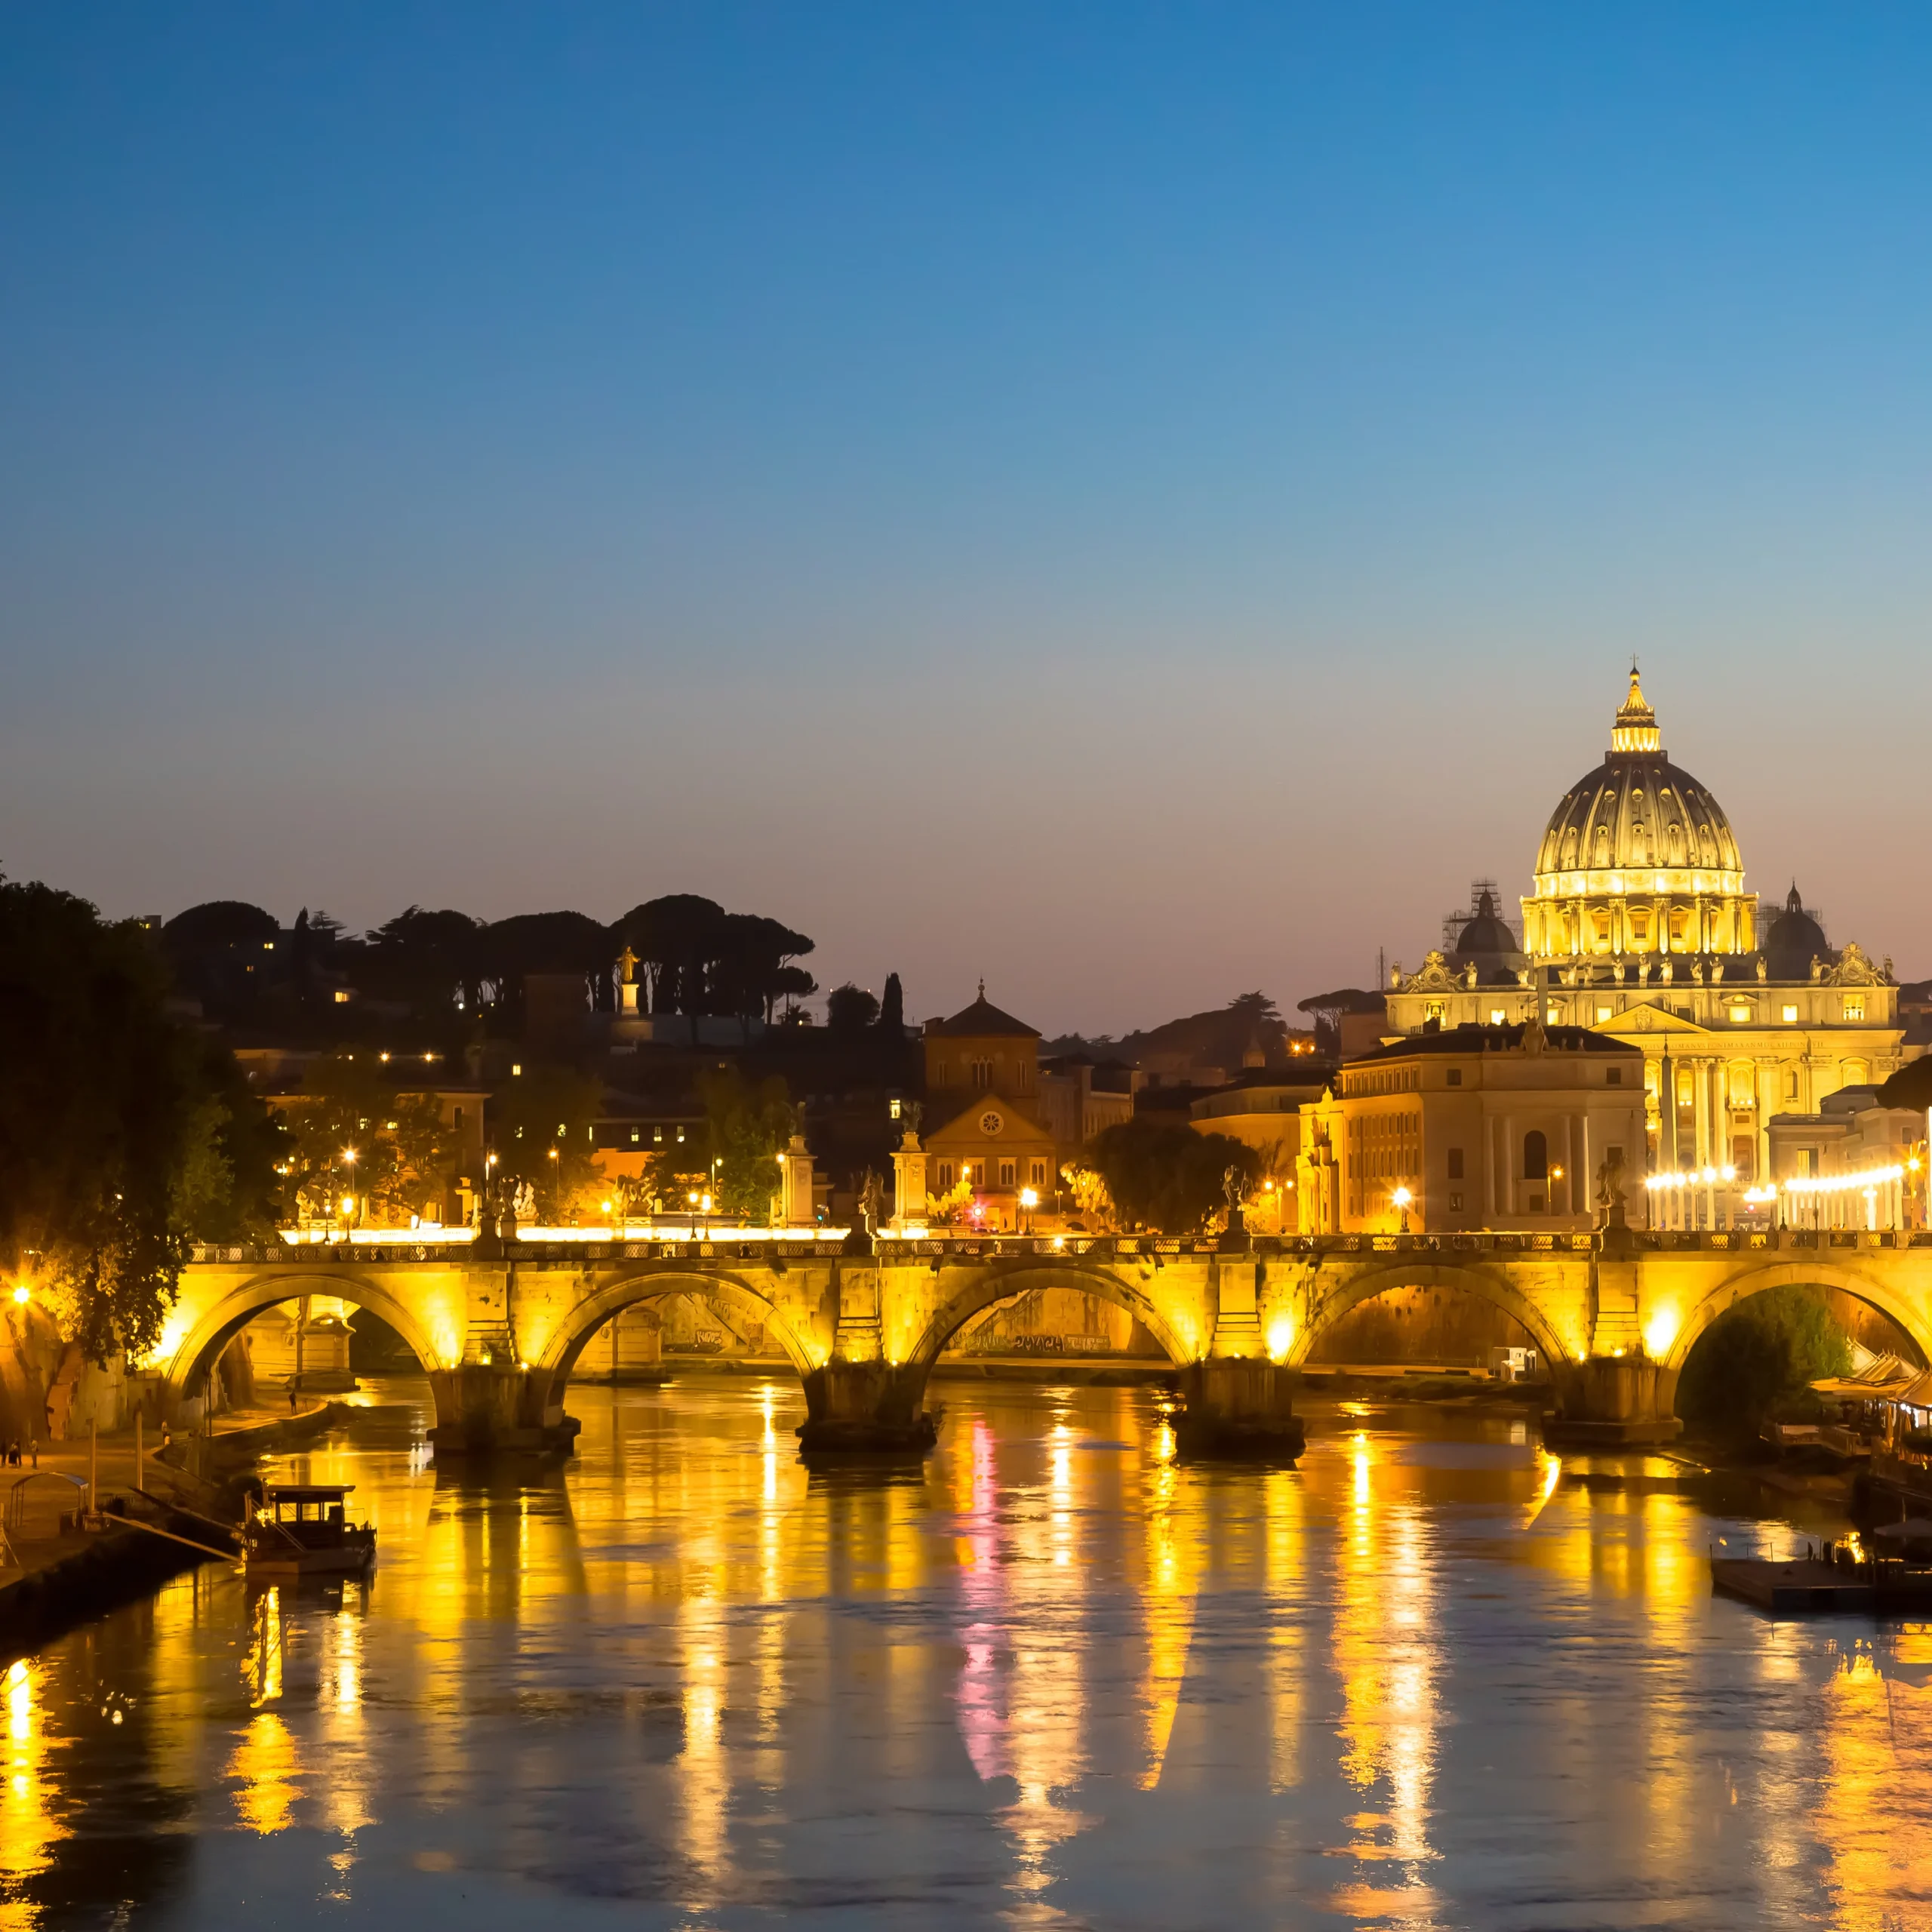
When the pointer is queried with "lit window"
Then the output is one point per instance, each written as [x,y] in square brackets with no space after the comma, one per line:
[1854,1007]
[516,1067]
[894,1106]
[1740,1014]
[680,1137]
[1787,1014]
[342,996]
[1497,1016]
[636,1135]
[1433,1009]
[1604,1012]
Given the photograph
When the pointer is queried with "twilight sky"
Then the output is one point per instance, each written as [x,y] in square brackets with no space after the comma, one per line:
[1138,504]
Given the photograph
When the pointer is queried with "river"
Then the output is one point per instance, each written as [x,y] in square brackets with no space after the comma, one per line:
[1051,1679]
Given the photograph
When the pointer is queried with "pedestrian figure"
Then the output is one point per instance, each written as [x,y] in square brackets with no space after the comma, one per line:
[292,1399]
[33,1450]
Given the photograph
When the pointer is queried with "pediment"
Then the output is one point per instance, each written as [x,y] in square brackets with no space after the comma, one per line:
[1648,1018]
[965,1132]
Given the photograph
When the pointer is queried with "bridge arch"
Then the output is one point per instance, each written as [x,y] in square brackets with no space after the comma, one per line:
[1495,1288]
[186,1367]
[1907,1312]
[573,1335]
[1004,1282]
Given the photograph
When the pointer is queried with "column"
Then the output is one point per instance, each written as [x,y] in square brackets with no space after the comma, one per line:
[1700,1129]
[1510,1157]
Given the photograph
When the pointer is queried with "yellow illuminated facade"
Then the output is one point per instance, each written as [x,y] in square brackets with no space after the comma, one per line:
[1637,925]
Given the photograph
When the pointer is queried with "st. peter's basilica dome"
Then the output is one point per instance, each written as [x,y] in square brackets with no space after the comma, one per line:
[1637,811]
[1638,858]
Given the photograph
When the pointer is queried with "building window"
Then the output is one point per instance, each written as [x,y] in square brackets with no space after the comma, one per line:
[1604,1012]
[1613,1076]
[657,1136]
[1455,1164]
[982,1075]
[945,1177]
[680,1137]
[1455,1076]
[1006,1175]
[1432,1010]
[455,1119]
[1455,1203]
[893,1107]
[1039,1173]
[1740,1014]
[1790,1085]
[637,1134]
[1536,1157]
[1788,1013]
[1497,1017]
[1855,1006]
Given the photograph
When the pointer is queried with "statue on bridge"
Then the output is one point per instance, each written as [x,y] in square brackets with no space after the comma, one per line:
[1610,1188]
[872,1201]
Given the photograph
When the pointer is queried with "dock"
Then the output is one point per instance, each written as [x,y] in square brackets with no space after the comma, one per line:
[1788,1589]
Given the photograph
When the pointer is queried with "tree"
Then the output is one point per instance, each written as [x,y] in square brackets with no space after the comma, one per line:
[545,1135]
[746,1127]
[1169,1178]
[111,1141]
[1092,1202]
[850,1010]
[354,1135]
[1761,1352]
[892,1008]
[433,960]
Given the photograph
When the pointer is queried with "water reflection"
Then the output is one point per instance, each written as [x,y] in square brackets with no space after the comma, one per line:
[1049,1676]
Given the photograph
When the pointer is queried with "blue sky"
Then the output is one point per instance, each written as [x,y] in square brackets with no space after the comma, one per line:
[1139,503]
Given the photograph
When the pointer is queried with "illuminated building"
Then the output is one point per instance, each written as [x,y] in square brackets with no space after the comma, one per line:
[1638,926]
[1472,1127]
[983,1093]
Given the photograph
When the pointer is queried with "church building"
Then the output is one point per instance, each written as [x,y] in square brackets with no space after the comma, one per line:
[1638,926]
[983,1091]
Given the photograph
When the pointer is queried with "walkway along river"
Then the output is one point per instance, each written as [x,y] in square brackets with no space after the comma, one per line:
[1048,1678]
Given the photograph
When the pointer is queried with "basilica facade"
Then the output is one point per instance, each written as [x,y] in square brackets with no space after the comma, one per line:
[1638,925]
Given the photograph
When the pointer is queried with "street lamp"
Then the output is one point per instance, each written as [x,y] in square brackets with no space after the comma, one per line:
[1555,1175]
[1029,1200]
[349,1200]
[1402,1197]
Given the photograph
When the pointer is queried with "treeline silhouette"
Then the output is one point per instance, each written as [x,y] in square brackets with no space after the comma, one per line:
[691,957]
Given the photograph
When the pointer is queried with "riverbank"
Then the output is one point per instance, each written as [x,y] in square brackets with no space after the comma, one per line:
[170,1514]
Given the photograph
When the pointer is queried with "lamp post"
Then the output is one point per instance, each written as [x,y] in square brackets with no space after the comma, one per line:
[1555,1175]
[348,1198]
[1402,1197]
[1029,1200]
[556,1190]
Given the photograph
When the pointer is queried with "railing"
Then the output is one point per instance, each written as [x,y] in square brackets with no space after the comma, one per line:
[988,1248]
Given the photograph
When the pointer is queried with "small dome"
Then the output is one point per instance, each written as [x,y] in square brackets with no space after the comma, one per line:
[1795,941]
[1637,811]
[1483,933]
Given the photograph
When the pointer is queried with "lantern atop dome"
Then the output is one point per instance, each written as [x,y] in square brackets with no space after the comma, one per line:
[1636,727]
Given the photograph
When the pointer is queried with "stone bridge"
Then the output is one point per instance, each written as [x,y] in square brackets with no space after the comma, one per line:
[499,1324]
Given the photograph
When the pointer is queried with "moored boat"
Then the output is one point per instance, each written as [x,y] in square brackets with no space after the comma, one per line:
[302,1529]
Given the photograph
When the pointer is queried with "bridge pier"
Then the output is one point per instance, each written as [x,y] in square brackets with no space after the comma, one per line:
[866,1408]
[485,1408]
[1237,1406]
[1610,1401]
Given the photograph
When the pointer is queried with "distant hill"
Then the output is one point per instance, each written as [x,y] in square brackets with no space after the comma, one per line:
[1200,1046]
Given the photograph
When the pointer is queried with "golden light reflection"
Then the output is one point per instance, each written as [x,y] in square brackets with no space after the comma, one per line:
[1287,1662]
[705,1785]
[1387,1656]
[264,1765]
[28,1829]
[1169,1591]
[261,1667]
[1875,1738]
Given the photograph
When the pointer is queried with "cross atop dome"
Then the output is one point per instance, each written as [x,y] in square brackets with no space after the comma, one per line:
[1636,727]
